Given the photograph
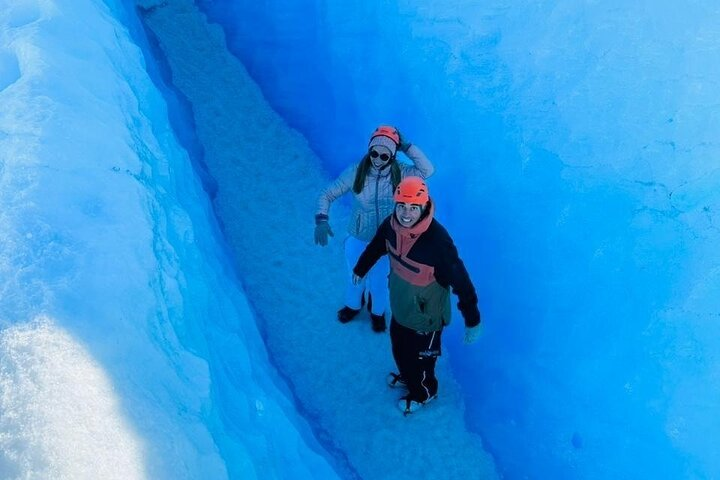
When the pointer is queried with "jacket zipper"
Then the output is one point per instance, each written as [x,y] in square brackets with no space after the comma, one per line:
[377,202]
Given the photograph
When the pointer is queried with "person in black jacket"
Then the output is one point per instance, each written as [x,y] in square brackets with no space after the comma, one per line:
[424,265]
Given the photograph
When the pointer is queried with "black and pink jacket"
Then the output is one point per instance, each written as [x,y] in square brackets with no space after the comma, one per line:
[424,267]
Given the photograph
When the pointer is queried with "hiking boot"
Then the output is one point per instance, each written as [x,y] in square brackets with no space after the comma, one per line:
[395,381]
[378,322]
[408,406]
[346,314]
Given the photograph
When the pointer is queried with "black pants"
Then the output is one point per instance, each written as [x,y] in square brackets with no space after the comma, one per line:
[415,355]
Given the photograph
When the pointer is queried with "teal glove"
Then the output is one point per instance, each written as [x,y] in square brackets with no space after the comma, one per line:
[472,334]
[322,230]
[404,145]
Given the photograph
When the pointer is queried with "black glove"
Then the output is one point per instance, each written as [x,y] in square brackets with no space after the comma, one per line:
[322,230]
[404,145]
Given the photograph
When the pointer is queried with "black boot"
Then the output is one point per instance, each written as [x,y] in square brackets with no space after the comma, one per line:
[378,322]
[346,314]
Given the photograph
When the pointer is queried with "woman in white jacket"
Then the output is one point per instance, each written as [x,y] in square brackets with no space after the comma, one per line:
[372,182]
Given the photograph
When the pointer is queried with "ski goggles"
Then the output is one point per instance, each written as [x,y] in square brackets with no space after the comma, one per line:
[383,156]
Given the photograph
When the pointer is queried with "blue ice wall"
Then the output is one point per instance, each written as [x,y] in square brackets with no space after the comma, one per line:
[128,348]
[577,168]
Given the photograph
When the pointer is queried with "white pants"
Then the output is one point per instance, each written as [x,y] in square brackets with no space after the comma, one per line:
[375,282]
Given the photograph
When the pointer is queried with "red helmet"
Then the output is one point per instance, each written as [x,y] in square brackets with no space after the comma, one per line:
[386,131]
[412,190]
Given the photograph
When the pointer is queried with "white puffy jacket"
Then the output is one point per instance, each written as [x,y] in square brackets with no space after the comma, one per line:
[375,202]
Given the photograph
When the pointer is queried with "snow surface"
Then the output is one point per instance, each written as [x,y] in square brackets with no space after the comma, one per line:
[267,185]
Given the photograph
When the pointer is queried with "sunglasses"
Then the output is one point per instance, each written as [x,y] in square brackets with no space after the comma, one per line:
[383,156]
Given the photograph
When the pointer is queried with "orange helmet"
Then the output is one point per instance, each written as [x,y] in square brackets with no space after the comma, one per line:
[412,190]
[386,131]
